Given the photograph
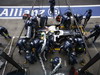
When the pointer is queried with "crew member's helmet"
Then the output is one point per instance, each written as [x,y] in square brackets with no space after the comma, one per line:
[90,10]
[78,40]
[69,13]
[97,26]
[56,59]
[58,18]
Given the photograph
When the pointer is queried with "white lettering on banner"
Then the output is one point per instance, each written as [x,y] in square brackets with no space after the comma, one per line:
[20,12]
[35,12]
[16,11]
[56,11]
[4,12]
[42,11]
[27,11]
[11,13]
[32,13]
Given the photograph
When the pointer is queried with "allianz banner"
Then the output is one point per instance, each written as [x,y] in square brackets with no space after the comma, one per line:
[18,11]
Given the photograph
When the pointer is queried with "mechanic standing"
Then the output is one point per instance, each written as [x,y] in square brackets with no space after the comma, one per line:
[66,20]
[29,29]
[34,22]
[78,18]
[95,32]
[88,16]
[4,33]
[43,20]
[52,4]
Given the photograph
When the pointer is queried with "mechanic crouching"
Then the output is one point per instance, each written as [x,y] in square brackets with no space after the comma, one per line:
[30,57]
[37,44]
[50,42]
[79,45]
[56,64]
[4,33]
[22,45]
[25,47]
[67,46]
